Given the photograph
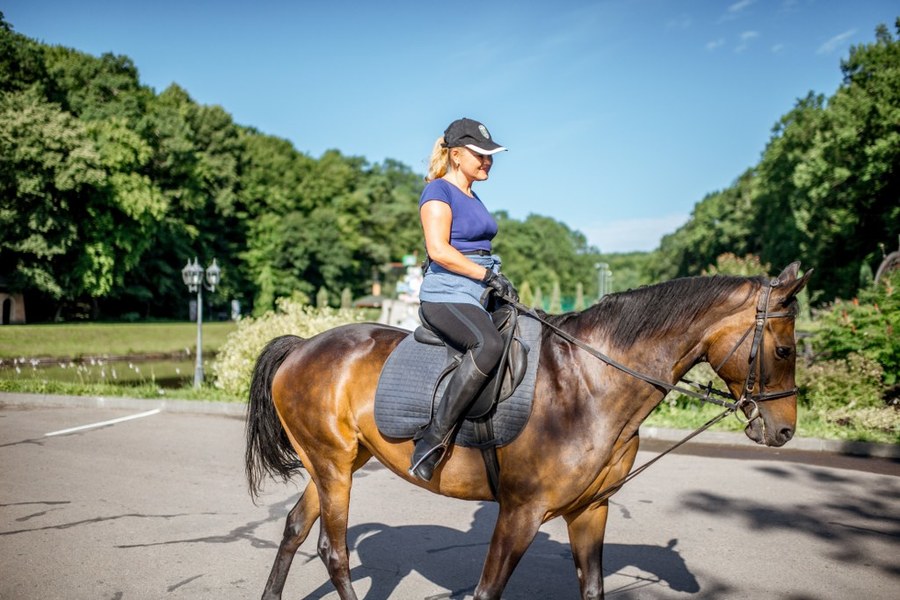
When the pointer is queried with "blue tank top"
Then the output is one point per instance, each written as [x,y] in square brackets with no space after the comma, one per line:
[472,227]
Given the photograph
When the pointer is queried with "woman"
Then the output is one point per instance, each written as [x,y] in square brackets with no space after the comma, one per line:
[460,276]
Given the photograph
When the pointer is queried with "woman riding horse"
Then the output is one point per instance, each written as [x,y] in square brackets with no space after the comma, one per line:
[312,399]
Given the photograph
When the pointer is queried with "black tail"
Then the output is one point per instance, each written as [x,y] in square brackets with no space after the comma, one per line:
[269,450]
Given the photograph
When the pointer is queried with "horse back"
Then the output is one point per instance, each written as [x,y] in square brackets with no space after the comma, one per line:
[343,360]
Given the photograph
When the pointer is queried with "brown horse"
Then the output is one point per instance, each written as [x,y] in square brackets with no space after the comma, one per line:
[313,399]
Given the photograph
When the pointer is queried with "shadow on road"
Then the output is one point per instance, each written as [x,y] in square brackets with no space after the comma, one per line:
[854,516]
[452,560]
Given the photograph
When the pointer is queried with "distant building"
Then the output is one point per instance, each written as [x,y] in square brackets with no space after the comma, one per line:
[12,305]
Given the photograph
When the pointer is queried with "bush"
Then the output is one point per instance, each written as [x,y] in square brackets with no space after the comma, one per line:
[731,264]
[237,356]
[868,325]
[849,395]
[857,423]
[853,382]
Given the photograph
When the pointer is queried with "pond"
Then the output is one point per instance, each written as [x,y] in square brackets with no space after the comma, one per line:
[165,373]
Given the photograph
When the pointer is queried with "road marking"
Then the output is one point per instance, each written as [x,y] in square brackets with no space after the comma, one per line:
[103,423]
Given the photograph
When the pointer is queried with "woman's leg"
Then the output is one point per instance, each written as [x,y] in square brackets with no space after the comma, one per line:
[469,329]
[466,327]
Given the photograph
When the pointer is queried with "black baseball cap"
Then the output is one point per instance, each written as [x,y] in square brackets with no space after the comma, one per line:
[472,135]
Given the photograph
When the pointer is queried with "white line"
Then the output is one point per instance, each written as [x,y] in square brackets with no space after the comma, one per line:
[102,423]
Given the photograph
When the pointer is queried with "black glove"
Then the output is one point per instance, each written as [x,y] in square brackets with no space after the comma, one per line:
[501,286]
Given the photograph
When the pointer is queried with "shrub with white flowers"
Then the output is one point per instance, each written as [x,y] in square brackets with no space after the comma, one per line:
[234,363]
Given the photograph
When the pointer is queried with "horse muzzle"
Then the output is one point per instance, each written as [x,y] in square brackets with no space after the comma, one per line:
[762,430]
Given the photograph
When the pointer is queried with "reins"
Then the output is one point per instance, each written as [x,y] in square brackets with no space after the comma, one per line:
[747,397]
[707,397]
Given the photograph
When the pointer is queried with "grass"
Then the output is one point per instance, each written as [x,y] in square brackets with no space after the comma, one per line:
[77,340]
[71,342]
[146,390]
[810,423]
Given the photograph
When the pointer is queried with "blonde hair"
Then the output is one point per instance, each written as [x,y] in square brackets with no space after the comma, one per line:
[439,162]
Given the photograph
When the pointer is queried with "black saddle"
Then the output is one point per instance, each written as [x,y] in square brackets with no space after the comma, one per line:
[509,371]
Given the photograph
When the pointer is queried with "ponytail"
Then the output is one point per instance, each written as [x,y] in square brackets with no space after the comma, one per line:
[440,161]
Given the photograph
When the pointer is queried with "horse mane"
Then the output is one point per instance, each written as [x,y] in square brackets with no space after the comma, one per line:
[651,311]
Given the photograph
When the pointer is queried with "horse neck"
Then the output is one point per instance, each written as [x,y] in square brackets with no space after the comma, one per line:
[666,354]
[691,346]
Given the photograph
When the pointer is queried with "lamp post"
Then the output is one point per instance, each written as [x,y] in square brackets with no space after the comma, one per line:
[192,275]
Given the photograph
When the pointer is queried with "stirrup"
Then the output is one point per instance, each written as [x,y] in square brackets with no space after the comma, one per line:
[442,448]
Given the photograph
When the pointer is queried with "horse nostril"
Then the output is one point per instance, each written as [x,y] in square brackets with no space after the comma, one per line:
[785,434]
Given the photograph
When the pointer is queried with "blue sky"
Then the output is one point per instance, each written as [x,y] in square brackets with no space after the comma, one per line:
[619,115]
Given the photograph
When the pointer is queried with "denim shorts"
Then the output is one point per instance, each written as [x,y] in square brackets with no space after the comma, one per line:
[441,285]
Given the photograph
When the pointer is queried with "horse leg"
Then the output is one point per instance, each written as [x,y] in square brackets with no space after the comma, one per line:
[299,521]
[587,526]
[334,482]
[586,531]
[334,496]
[513,533]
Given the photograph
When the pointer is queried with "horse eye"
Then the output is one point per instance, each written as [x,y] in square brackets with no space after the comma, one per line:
[783,351]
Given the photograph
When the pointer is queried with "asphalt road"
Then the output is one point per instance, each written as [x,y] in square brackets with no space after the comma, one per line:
[156,507]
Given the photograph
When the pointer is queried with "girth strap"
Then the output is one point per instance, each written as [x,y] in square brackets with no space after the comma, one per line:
[487,443]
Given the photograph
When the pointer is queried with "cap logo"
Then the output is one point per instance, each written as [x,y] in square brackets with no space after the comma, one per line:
[484,132]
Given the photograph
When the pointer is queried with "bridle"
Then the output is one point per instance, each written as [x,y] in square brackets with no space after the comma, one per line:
[756,369]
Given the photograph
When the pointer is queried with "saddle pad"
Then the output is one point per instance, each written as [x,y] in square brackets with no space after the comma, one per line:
[404,394]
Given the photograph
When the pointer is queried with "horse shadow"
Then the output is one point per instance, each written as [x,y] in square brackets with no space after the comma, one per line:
[452,559]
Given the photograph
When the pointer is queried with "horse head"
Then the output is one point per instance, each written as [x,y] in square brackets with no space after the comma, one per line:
[755,354]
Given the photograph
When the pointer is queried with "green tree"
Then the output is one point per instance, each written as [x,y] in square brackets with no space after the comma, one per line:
[21,61]
[525,295]
[555,298]
[50,169]
[850,173]
[541,249]
[322,298]
[94,88]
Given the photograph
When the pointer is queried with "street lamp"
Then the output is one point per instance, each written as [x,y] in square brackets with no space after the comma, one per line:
[192,275]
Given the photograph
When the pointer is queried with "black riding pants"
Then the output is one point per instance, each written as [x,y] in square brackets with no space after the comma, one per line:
[465,327]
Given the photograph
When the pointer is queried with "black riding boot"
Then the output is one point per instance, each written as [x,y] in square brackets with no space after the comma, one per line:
[431,443]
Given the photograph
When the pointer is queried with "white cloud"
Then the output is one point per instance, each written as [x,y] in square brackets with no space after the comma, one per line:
[836,41]
[630,235]
[713,44]
[746,38]
[735,10]
[739,6]
[680,22]
[777,48]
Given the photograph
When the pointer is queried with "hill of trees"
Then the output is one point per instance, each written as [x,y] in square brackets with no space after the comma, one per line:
[826,190]
[107,188]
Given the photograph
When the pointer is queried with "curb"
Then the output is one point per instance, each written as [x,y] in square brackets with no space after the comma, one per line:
[200,407]
[239,409]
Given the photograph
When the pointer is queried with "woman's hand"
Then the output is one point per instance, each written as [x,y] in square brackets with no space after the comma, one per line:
[501,286]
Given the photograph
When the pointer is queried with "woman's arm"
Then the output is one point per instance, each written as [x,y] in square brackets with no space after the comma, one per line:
[436,219]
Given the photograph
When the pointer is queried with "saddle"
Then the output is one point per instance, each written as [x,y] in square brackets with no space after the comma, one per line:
[507,376]
[417,371]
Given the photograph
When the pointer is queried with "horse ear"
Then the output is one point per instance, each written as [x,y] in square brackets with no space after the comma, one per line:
[789,285]
[789,273]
